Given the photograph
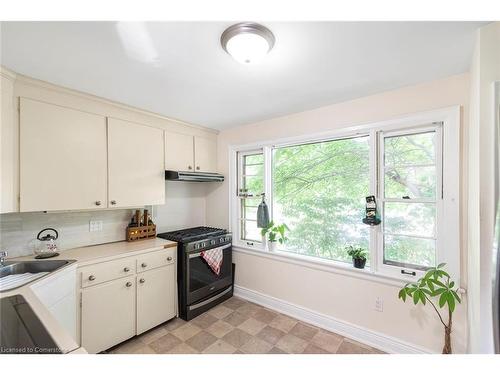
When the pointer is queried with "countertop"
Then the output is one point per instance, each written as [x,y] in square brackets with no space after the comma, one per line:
[84,256]
[99,253]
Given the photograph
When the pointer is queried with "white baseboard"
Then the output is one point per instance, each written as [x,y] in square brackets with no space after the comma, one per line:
[374,339]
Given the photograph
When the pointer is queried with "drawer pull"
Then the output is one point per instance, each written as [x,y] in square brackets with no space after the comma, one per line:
[126,269]
[169,259]
[144,265]
[142,281]
[91,277]
[128,284]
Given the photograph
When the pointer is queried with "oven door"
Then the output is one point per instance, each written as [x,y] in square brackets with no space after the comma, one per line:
[201,280]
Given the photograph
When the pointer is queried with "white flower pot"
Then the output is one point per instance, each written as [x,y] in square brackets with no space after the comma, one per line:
[271,245]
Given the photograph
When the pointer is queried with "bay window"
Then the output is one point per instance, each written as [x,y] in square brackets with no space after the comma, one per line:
[317,187]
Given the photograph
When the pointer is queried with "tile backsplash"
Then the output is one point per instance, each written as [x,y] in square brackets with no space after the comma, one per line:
[18,230]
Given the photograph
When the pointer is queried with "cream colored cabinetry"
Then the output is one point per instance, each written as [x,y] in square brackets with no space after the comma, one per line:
[58,293]
[69,160]
[190,153]
[205,154]
[62,158]
[108,314]
[179,152]
[123,300]
[155,297]
[135,164]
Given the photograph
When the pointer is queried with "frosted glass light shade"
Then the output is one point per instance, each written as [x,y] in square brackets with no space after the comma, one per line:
[247,42]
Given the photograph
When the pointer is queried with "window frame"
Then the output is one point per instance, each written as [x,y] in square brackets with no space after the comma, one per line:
[449,121]
[240,179]
[397,270]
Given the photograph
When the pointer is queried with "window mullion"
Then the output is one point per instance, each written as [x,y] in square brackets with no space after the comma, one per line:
[268,187]
[374,189]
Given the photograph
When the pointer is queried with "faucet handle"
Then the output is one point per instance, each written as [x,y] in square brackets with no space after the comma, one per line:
[3,254]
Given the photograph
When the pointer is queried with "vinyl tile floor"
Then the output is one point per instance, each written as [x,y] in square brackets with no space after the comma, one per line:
[240,327]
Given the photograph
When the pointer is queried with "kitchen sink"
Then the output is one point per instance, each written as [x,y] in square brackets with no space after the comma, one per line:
[41,267]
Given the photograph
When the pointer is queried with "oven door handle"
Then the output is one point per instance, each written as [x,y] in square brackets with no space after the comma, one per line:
[211,299]
[195,255]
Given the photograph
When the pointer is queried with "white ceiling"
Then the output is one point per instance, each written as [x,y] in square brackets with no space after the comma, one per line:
[179,69]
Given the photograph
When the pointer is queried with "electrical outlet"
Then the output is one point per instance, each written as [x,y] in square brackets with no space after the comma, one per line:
[379,304]
[95,226]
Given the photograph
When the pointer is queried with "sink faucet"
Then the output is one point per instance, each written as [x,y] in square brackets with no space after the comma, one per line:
[3,255]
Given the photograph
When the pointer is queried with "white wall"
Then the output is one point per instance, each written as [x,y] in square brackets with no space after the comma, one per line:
[484,72]
[342,297]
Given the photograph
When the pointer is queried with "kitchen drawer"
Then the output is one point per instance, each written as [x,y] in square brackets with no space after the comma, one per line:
[156,259]
[107,271]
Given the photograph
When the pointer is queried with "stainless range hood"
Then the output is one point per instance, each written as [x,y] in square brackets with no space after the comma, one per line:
[193,176]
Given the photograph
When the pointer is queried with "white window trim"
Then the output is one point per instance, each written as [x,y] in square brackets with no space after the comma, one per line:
[395,271]
[450,119]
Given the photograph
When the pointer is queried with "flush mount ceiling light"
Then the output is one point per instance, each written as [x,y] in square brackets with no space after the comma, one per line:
[247,42]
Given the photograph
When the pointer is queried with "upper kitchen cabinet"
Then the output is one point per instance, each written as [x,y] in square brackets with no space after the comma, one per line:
[179,152]
[190,153]
[205,155]
[62,158]
[135,164]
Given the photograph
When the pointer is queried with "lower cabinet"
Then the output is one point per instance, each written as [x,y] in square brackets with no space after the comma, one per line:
[156,293]
[108,314]
[118,302]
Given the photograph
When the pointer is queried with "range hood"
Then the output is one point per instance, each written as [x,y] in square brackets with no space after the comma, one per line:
[193,176]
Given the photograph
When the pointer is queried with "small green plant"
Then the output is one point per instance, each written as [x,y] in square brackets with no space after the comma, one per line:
[435,284]
[356,252]
[275,232]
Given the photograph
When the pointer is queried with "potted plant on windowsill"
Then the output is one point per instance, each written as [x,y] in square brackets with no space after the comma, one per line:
[274,234]
[436,284]
[358,255]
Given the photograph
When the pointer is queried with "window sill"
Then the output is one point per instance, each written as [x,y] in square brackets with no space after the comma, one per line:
[324,265]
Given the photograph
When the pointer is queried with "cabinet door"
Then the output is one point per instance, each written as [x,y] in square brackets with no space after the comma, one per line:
[179,152]
[62,158]
[156,293]
[136,164]
[205,152]
[108,314]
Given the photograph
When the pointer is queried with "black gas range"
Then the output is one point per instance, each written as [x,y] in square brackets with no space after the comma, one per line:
[199,287]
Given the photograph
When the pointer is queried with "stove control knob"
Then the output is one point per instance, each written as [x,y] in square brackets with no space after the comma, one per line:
[212,242]
[221,240]
[203,244]
[196,246]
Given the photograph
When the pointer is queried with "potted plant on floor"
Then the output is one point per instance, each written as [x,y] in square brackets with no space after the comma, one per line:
[274,234]
[358,255]
[435,284]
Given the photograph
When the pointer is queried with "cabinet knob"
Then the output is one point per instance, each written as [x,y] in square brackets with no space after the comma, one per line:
[144,265]
[113,202]
[198,168]
[169,259]
[97,203]
[189,167]
[128,284]
[126,269]
[91,277]
[142,281]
